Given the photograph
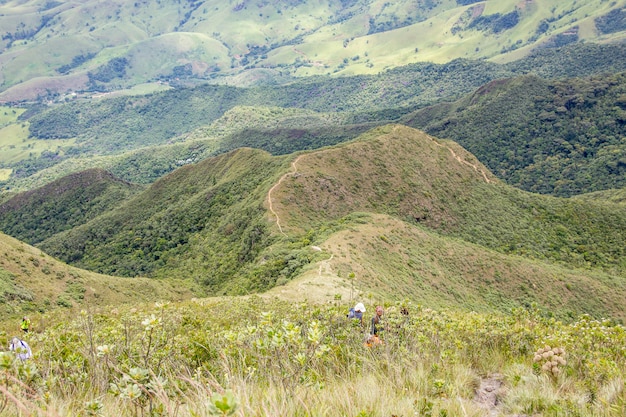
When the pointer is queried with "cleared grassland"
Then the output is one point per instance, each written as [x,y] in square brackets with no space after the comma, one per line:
[15,144]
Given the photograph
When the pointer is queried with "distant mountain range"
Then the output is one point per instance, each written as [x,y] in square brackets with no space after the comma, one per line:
[52,48]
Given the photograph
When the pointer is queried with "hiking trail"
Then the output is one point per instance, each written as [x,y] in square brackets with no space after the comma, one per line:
[294,170]
[463,161]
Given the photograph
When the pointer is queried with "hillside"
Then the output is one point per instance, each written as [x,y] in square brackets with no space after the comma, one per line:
[615,196]
[54,48]
[244,222]
[402,172]
[552,137]
[204,221]
[32,281]
[379,257]
[432,362]
[35,215]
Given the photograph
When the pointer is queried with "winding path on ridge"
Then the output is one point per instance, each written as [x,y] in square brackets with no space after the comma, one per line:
[294,170]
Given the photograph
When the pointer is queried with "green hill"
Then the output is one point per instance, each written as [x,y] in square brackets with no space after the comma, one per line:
[47,142]
[32,281]
[35,215]
[408,174]
[615,196]
[218,200]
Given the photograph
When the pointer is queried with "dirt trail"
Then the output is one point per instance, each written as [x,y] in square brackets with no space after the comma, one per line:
[294,170]
[461,160]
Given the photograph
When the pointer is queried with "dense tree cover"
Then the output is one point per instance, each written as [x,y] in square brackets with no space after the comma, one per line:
[123,123]
[285,141]
[36,215]
[144,166]
[575,60]
[612,22]
[496,22]
[204,221]
[581,234]
[115,68]
[77,61]
[561,138]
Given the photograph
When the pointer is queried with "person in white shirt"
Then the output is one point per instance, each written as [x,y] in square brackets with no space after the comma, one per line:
[20,348]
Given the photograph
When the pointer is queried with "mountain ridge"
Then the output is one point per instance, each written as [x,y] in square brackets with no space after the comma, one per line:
[246,221]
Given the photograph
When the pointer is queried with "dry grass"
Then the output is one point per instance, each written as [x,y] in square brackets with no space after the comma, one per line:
[47,283]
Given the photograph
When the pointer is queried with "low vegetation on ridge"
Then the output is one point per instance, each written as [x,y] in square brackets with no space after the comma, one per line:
[256,357]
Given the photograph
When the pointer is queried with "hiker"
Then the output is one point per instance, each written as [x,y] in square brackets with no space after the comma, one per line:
[375,328]
[357,312]
[21,348]
[25,326]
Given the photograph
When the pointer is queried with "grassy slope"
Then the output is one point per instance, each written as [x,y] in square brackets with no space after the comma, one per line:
[304,38]
[392,260]
[615,196]
[405,173]
[31,280]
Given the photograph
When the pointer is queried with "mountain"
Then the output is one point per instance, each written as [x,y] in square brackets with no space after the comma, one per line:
[211,211]
[246,221]
[141,137]
[52,48]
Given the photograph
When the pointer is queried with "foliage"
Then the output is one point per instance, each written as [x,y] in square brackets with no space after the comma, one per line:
[613,21]
[31,281]
[258,357]
[109,126]
[203,221]
[140,42]
[207,221]
[115,68]
[77,61]
[496,22]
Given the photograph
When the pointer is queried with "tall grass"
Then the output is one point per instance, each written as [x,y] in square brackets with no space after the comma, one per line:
[253,357]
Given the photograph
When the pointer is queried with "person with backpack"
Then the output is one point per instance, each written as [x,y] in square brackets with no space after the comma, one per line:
[376,326]
[356,312]
[20,348]
[25,325]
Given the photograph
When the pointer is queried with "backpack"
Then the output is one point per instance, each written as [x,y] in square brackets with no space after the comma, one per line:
[21,348]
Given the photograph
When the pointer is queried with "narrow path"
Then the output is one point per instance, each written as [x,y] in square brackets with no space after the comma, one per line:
[294,170]
[461,160]
[458,158]
[325,267]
